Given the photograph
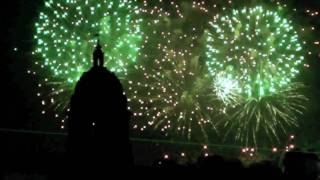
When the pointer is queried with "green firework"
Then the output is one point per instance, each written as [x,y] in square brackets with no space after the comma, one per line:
[170,92]
[253,56]
[269,118]
[66,36]
[257,48]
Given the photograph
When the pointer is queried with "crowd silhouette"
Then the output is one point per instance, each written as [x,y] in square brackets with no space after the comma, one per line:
[296,165]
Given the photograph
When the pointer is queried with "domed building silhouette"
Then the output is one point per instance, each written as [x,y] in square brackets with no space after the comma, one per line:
[98,126]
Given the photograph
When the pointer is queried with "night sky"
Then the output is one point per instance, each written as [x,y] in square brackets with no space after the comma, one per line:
[17,25]
[20,108]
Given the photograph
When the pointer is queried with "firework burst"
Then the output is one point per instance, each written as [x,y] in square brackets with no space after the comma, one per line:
[66,35]
[173,93]
[253,56]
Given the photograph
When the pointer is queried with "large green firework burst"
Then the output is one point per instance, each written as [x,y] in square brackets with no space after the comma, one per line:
[257,48]
[66,35]
[253,55]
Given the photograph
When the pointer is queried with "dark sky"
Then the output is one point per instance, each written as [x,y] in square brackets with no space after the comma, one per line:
[17,89]
[17,18]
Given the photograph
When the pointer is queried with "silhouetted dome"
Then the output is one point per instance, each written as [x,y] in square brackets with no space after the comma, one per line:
[99,119]
[100,87]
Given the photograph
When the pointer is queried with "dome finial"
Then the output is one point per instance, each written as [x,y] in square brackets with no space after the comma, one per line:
[98,55]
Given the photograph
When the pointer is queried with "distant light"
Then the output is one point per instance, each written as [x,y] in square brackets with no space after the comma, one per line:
[183,154]
[274,149]
[166,156]
[206,154]
[291,146]
[15,49]
[292,137]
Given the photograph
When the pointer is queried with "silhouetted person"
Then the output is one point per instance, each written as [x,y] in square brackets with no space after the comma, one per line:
[264,170]
[300,165]
[212,165]
[98,126]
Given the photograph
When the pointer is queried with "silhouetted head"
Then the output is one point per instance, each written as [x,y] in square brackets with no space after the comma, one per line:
[300,165]
[264,170]
[211,162]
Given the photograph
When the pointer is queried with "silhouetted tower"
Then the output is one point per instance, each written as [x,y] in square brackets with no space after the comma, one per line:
[98,124]
[98,55]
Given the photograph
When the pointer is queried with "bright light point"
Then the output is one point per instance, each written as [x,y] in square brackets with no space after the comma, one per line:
[226,88]
[205,147]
